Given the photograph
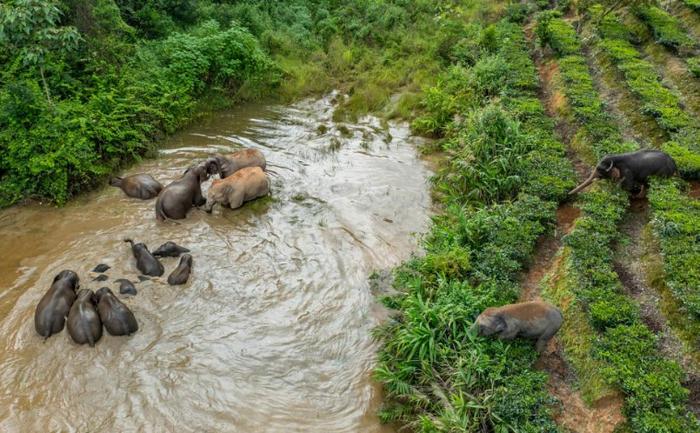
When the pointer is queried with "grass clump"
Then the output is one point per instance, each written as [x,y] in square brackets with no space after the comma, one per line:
[437,377]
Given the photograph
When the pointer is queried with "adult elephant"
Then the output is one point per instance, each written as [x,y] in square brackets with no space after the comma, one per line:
[178,197]
[632,170]
[226,165]
[142,186]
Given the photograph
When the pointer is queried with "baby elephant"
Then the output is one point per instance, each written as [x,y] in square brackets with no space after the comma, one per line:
[84,324]
[242,186]
[50,314]
[537,320]
[145,262]
[116,316]
[182,273]
[225,166]
[141,186]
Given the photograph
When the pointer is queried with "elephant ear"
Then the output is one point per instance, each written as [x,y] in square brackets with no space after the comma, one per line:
[607,169]
[499,323]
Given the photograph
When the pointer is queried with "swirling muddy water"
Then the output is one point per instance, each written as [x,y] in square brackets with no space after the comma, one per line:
[273,331]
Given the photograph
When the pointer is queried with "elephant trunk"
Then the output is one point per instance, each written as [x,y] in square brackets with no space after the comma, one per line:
[585,183]
[116,181]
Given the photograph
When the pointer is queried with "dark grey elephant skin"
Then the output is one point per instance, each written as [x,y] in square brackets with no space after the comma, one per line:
[226,165]
[116,317]
[145,262]
[54,306]
[170,249]
[535,320]
[142,186]
[126,287]
[178,197]
[632,170]
[182,273]
[84,324]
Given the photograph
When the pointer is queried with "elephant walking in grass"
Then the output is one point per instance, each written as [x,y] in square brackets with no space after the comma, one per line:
[536,320]
[632,170]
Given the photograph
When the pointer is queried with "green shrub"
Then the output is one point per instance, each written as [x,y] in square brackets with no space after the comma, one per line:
[667,30]
[694,66]
[438,377]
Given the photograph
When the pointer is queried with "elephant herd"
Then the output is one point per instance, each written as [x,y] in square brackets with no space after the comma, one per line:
[84,312]
[242,178]
[539,320]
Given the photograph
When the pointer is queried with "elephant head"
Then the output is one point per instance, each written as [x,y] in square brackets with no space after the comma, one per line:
[115,181]
[488,323]
[605,169]
[68,275]
[200,171]
[213,165]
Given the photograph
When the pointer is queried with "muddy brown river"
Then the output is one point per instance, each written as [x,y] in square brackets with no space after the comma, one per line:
[272,331]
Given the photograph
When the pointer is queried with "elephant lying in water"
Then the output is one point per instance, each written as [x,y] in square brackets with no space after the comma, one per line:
[242,186]
[537,320]
[632,170]
[225,166]
[178,197]
[141,186]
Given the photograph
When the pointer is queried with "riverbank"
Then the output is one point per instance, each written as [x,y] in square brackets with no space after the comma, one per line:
[114,80]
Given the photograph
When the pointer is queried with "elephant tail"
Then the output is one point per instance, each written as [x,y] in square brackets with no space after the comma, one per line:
[160,212]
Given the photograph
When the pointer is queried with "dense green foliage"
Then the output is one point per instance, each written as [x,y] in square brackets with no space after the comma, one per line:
[693,4]
[667,30]
[625,344]
[87,87]
[500,189]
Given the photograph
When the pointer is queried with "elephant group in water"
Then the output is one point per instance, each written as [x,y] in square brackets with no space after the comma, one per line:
[242,178]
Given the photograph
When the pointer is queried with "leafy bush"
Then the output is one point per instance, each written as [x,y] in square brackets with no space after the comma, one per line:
[667,30]
[499,199]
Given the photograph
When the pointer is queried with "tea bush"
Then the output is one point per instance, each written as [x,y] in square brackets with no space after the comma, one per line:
[667,30]
[626,346]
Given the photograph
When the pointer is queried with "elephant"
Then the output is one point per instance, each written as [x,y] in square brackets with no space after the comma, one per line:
[145,262]
[225,166]
[50,314]
[631,170]
[142,186]
[538,320]
[182,273]
[117,317]
[126,287]
[84,324]
[244,185]
[170,249]
[178,197]
[101,268]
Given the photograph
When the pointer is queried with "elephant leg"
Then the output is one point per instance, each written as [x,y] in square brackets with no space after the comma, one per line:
[542,343]
[508,334]
[235,200]
[197,199]
[642,191]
